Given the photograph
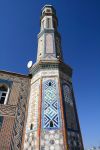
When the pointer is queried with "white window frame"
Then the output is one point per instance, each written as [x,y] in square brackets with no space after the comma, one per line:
[7,93]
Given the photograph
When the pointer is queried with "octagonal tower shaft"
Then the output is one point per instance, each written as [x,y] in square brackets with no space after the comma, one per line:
[52,120]
[49,41]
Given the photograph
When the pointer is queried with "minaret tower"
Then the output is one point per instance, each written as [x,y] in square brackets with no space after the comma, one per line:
[52,120]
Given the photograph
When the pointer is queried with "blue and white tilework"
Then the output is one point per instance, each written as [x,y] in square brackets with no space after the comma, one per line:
[50,104]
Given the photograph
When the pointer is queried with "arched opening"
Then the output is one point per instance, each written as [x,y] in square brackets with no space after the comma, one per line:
[3,93]
[31,126]
[48,23]
[51,124]
[49,83]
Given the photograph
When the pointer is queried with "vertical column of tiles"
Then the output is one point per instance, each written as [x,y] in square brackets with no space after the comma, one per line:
[32,137]
[51,131]
[63,119]
[32,121]
[74,138]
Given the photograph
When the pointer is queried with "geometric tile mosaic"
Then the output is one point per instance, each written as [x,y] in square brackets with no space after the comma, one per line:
[32,119]
[52,140]
[31,136]
[18,125]
[50,105]
[68,107]
[74,140]
[67,94]
[31,141]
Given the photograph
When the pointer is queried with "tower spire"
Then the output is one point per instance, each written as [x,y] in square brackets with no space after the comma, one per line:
[49,41]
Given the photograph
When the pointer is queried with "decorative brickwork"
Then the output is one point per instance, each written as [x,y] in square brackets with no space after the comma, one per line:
[18,126]
[17,81]
[74,137]
[8,110]
[31,140]
[68,106]
[17,135]
[32,120]
[13,112]
[6,132]
[33,105]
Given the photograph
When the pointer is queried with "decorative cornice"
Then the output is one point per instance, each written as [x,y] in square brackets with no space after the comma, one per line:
[54,64]
[45,31]
[49,31]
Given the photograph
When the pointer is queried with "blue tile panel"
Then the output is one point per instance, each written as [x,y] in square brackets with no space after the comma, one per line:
[50,105]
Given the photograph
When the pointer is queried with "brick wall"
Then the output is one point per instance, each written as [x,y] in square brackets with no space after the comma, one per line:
[14,110]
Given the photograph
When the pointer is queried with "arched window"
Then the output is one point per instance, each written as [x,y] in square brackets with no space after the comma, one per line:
[67,93]
[31,126]
[48,23]
[49,83]
[51,124]
[3,93]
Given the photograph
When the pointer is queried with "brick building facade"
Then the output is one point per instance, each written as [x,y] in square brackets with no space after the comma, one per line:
[15,88]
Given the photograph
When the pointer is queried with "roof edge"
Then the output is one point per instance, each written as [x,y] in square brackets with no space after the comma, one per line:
[14,73]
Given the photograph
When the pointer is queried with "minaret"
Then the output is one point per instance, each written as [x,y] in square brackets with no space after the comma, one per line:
[52,120]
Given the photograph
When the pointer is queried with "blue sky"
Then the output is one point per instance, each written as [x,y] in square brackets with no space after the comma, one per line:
[79,25]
